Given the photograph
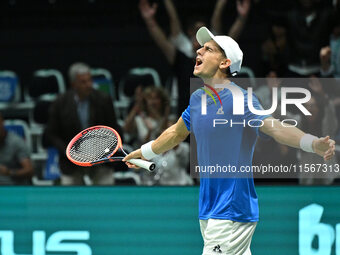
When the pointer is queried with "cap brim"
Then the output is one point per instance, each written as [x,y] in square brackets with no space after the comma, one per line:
[203,35]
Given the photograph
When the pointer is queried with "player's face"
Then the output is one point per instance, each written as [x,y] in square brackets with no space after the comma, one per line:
[83,85]
[208,60]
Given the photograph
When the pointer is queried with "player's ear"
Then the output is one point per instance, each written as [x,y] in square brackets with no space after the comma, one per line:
[225,63]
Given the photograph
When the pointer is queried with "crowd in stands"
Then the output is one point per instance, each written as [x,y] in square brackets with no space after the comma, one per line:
[303,42]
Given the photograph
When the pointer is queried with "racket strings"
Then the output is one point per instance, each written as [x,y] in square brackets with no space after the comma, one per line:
[94,145]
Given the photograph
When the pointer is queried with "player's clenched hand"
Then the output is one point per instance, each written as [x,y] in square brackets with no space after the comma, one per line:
[132,155]
[325,147]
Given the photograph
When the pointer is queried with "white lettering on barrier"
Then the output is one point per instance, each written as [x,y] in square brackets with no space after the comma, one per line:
[55,243]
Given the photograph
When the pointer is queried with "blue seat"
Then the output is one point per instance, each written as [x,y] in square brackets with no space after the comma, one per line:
[21,128]
[9,87]
[51,170]
[103,81]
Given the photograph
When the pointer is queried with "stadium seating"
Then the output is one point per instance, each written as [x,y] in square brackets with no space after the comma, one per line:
[45,86]
[103,81]
[21,128]
[144,76]
[9,87]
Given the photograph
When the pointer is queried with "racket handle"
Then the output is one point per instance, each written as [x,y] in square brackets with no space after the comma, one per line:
[150,166]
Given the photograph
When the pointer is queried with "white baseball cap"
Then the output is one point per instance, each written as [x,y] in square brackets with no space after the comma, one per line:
[228,44]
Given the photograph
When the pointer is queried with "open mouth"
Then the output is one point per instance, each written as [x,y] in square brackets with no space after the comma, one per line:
[198,62]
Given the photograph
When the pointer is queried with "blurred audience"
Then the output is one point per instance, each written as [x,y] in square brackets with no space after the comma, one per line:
[330,55]
[308,29]
[180,49]
[148,118]
[172,166]
[302,42]
[264,92]
[322,122]
[149,115]
[217,26]
[15,164]
[275,50]
[279,154]
[79,108]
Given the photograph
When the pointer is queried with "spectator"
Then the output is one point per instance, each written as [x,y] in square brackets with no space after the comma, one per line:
[275,50]
[236,29]
[186,42]
[149,116]
[172,167]
[77,109]
[308,29]
[330,55]
[179,49]
[264,92]
[15,163]
[280,154]
[322,121]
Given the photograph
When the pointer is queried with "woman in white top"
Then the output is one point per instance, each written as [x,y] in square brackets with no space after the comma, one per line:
[149,115]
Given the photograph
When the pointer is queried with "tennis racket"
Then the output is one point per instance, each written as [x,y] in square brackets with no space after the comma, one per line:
[97,145]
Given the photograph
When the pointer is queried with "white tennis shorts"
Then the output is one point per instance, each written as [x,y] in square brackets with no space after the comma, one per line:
[226,237]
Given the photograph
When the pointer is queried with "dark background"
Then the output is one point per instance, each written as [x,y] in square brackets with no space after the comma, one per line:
[106,33]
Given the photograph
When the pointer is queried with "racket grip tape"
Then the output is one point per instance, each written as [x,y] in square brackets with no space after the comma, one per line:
[150,166]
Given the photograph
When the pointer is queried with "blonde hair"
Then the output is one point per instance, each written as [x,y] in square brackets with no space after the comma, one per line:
[161,93]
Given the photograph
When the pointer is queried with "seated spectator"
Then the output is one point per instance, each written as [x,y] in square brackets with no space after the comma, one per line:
[15,163]
[149,116]
[172,166]
[79,108]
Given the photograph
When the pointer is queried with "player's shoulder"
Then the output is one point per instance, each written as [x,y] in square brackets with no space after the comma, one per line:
[196,95]
[197,92]
[245,92]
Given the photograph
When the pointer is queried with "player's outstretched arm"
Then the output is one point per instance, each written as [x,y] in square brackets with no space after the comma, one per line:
[166,141]
[294,137]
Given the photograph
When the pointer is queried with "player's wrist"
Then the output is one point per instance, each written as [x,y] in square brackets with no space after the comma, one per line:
[147,152]
[307,142]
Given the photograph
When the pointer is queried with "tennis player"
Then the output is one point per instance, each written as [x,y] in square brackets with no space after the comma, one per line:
[228,207]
